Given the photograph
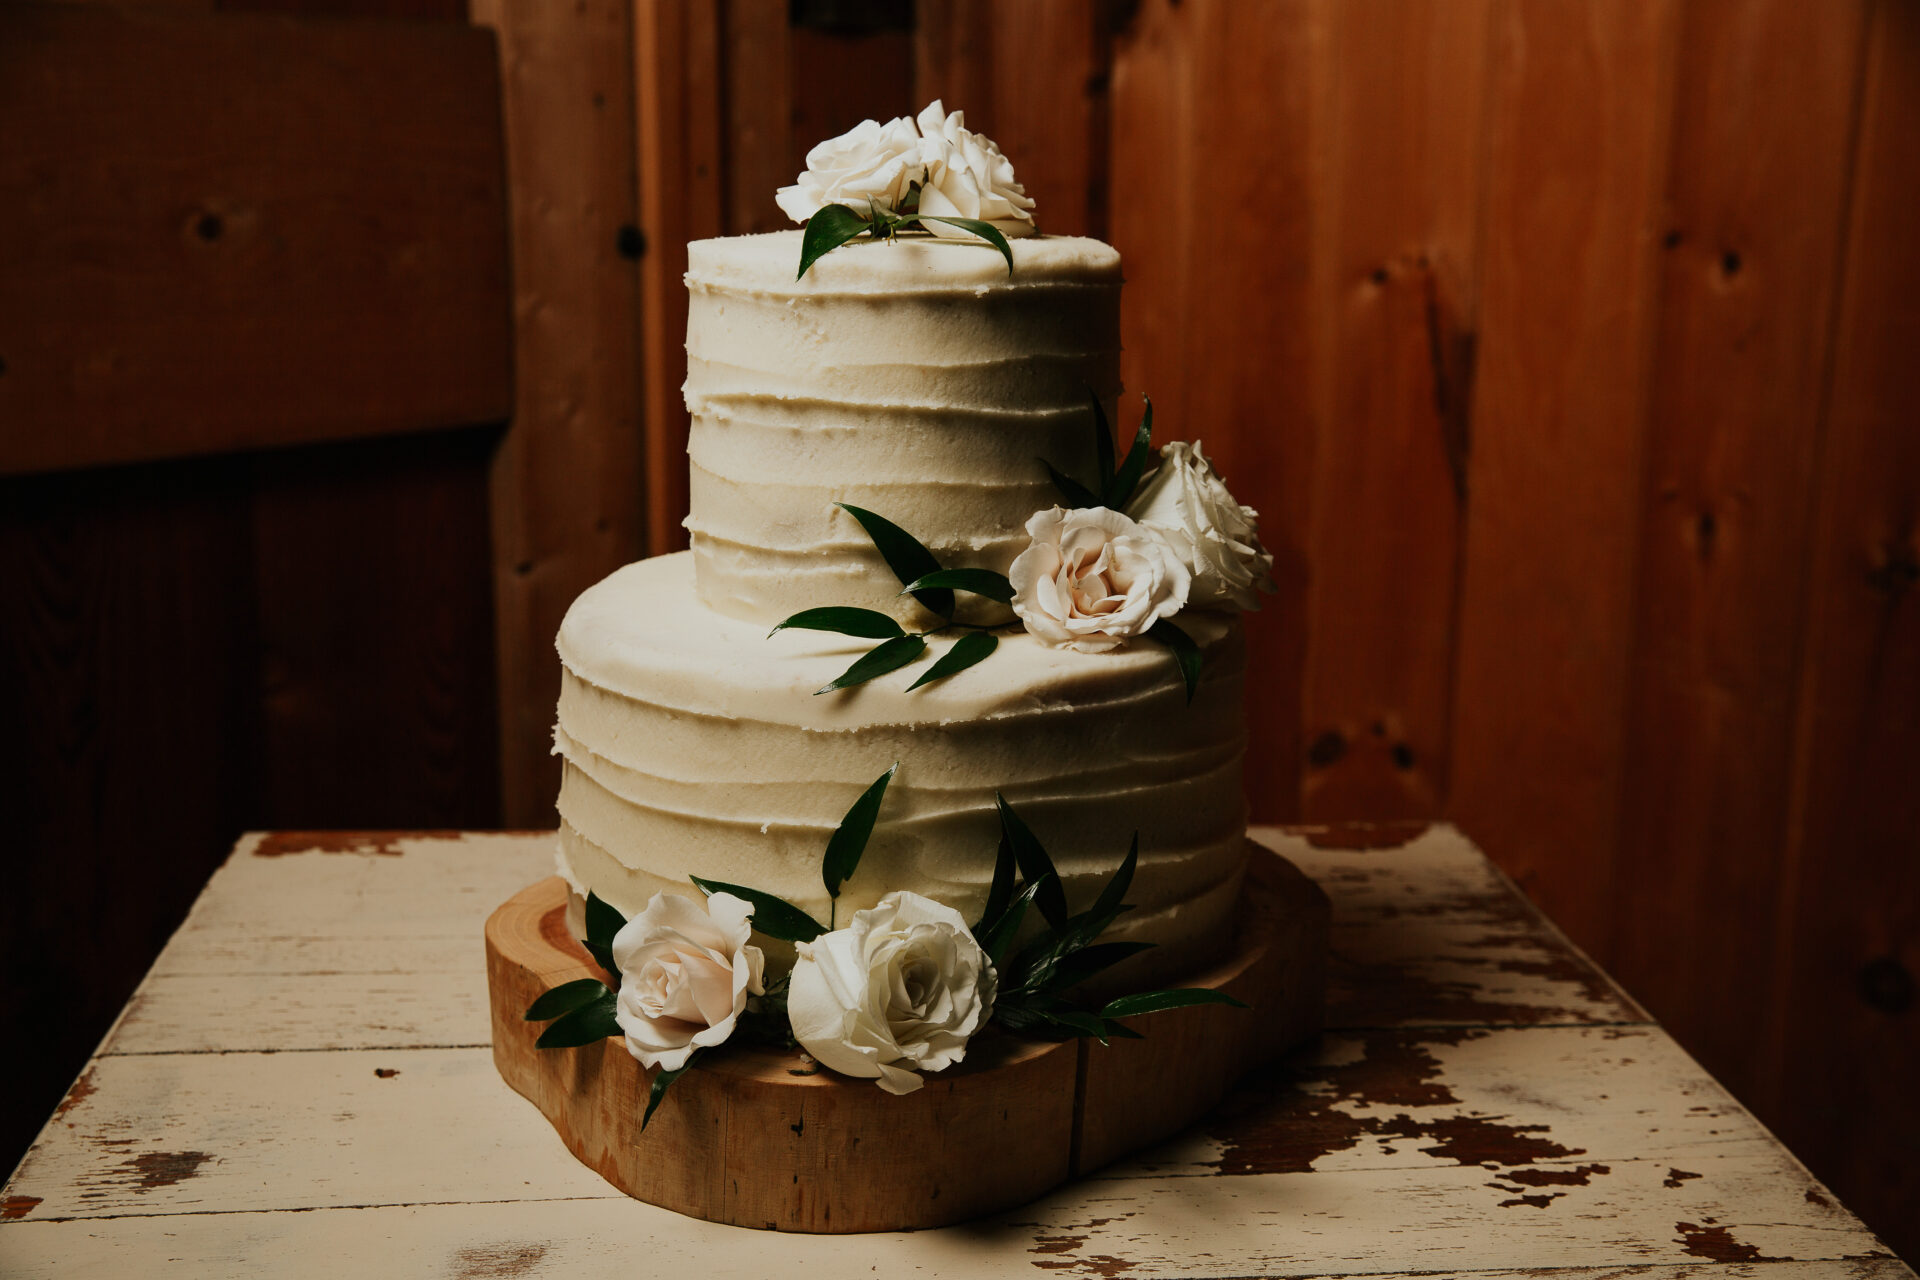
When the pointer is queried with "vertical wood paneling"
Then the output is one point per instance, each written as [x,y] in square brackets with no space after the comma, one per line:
[761,155]
[1762,143]
[1577,126]
[1847,1031]
[1220,292]
[566,482]
[1398,254]
[678,125]
[1034,79]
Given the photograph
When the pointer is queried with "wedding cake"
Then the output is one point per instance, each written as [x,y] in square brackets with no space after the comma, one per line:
[920,397]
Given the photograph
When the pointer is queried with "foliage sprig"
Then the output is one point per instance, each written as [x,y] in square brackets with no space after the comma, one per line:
[922,577]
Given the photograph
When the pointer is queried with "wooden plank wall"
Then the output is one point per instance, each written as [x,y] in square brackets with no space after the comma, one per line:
[254,358]
[1566,348]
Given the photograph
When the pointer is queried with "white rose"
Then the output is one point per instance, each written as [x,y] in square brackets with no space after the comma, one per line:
[1091,577]
[967,177]
[1215,536]
[685,975]
[899,991]
[870,161]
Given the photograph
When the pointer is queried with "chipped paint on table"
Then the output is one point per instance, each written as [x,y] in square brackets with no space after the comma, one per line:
[303,1086]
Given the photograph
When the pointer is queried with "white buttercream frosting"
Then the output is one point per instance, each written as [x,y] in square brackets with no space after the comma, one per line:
[695,745]
[915,378]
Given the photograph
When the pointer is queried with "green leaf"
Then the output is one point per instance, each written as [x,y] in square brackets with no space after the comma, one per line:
[1115,892]
[1185,652]
[980,582]
[1075,493]
[998,936]
[968,649]
[1102,446]
[904,555]
[849,839]
[775,917]
[1077,967]
[827,230]
[591,1022]
[869,623]
[603,921]
[888,655]
[1000,892]
[658,1089]
[1119,491]
[985,230]
[1175,998]
[565,998]
[1034,864]
[1079,1022]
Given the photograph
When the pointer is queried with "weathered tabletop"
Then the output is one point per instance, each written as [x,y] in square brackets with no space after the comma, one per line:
[303,1086]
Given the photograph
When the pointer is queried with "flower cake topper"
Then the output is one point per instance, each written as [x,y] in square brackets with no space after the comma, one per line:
[931,174]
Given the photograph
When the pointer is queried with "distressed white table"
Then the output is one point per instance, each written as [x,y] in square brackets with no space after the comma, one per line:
[302,1085]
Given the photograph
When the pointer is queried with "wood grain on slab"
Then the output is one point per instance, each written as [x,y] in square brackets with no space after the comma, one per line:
[764,1138]
[1528,1118]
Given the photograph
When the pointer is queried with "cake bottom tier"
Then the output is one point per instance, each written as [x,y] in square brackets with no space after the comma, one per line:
[695,744]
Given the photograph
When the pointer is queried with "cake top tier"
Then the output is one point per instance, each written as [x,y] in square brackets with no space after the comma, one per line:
[765,264]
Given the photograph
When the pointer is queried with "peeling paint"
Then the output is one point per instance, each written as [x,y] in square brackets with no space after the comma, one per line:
[1676,1176]
[17,1207]
[1287,1117]
[82,1090]
[1717,1243]
[489,1261]
[165,1168]
[1538,1202]
[1574,1177]
[386,1073]
[276,844]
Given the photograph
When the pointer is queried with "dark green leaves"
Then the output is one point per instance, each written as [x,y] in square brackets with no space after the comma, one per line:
[827,230]
[997,928]
[985,230]
[980,582]
[968,649]
[835,224]
[889,655]
[1116,485]
[1035,866]
[1035,983]
[658,1089]
[849,839]
[587,1024]
[1155,1001]
[775,917]
[870,623]
[565,998]
[905,555]
[1075,493]
[1119,489]
[603,922]
[1185,652]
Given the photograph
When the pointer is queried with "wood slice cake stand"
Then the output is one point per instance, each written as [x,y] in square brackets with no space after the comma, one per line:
[761,1138]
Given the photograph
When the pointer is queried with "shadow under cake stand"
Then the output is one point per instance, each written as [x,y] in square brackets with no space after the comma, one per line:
[762,1138]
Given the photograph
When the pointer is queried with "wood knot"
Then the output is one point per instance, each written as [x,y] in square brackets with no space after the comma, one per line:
[1897,571]
[1327,749]
[1886,985]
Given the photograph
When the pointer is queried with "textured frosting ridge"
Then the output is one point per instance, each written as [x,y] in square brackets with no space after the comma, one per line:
[694,745]
[914,378]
